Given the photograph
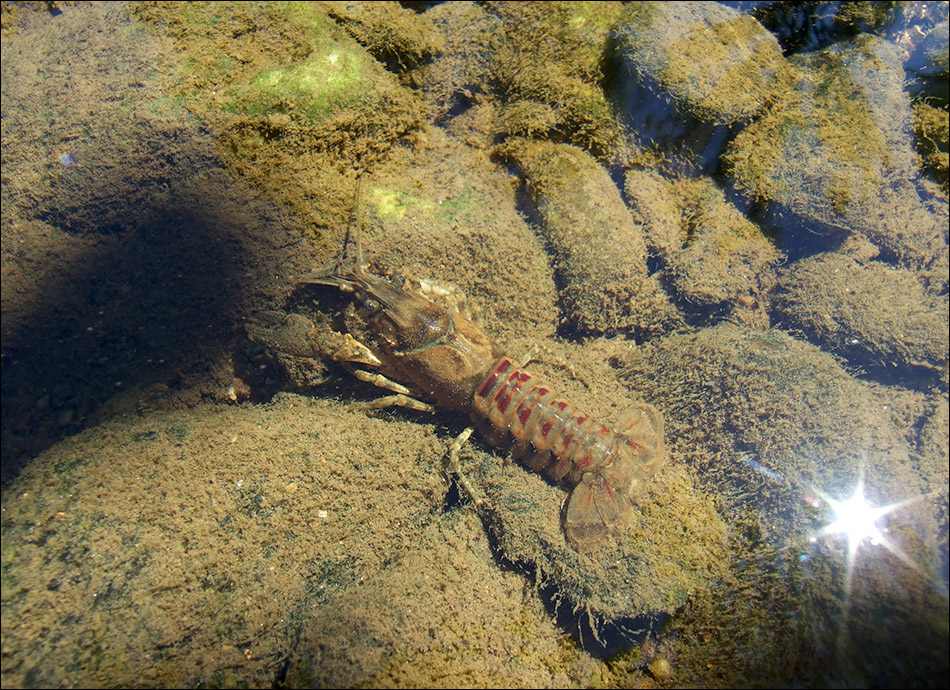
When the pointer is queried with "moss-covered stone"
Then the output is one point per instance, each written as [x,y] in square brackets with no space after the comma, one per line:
[724,256]
[296,103]
[835,154]
[552,54]
[716,63]
[932,127]
[874,315]
[461,72]
[655,206]
[396,36]
[790,420]
[600,251]
[931,60]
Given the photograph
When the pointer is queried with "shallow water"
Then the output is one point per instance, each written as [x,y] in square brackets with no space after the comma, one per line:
[728,211]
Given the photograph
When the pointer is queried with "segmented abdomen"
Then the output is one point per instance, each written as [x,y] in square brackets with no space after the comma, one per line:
[546,432]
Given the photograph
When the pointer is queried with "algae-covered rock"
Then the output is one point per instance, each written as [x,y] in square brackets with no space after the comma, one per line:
[552,53]
[790,423]
[462,69]
[671,551]
[656,207]
[407,625]
[714,62]
[290,125]
[934,443]
[105,167]
[201,547]
[932,128]
[295,102]
[837,153]
[711,256]
[806,27]
[445,213]
[872,314]
[395,35]
[600,251]
[930,57]
[724,256]
[221,529]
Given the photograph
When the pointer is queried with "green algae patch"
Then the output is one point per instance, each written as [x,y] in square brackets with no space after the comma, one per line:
[313,89]
[295,103]
[392,205]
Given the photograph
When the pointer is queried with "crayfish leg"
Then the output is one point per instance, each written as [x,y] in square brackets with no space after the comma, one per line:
[398,400]
[381,381]
[594,511]
[454,465]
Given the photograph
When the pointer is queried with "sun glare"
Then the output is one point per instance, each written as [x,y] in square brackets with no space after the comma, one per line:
[856,520]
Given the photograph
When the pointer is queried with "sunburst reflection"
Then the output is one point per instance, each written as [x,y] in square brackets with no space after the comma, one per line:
[856,521]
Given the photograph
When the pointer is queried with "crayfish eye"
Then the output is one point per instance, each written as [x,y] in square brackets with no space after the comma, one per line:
[370,305]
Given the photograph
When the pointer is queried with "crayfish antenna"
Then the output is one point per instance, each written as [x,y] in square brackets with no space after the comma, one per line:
[356,222]
[352,228]
[333,274]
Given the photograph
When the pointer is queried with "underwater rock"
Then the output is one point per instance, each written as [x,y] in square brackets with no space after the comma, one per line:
[716,63]
[836,154]
[600,251]
[552,54]
[297,105]
[393,34]
[535,69]
[725,257]
[462,69]
[445,212]
[932,127]
[104,167]
[929,61]
[806,27]
[221,528]
[685,73]
[930,57]
[720,256]
[671,550]
[409,623]
[656,208]
[871,314]
[791,423]
[933,442]
[338,95]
